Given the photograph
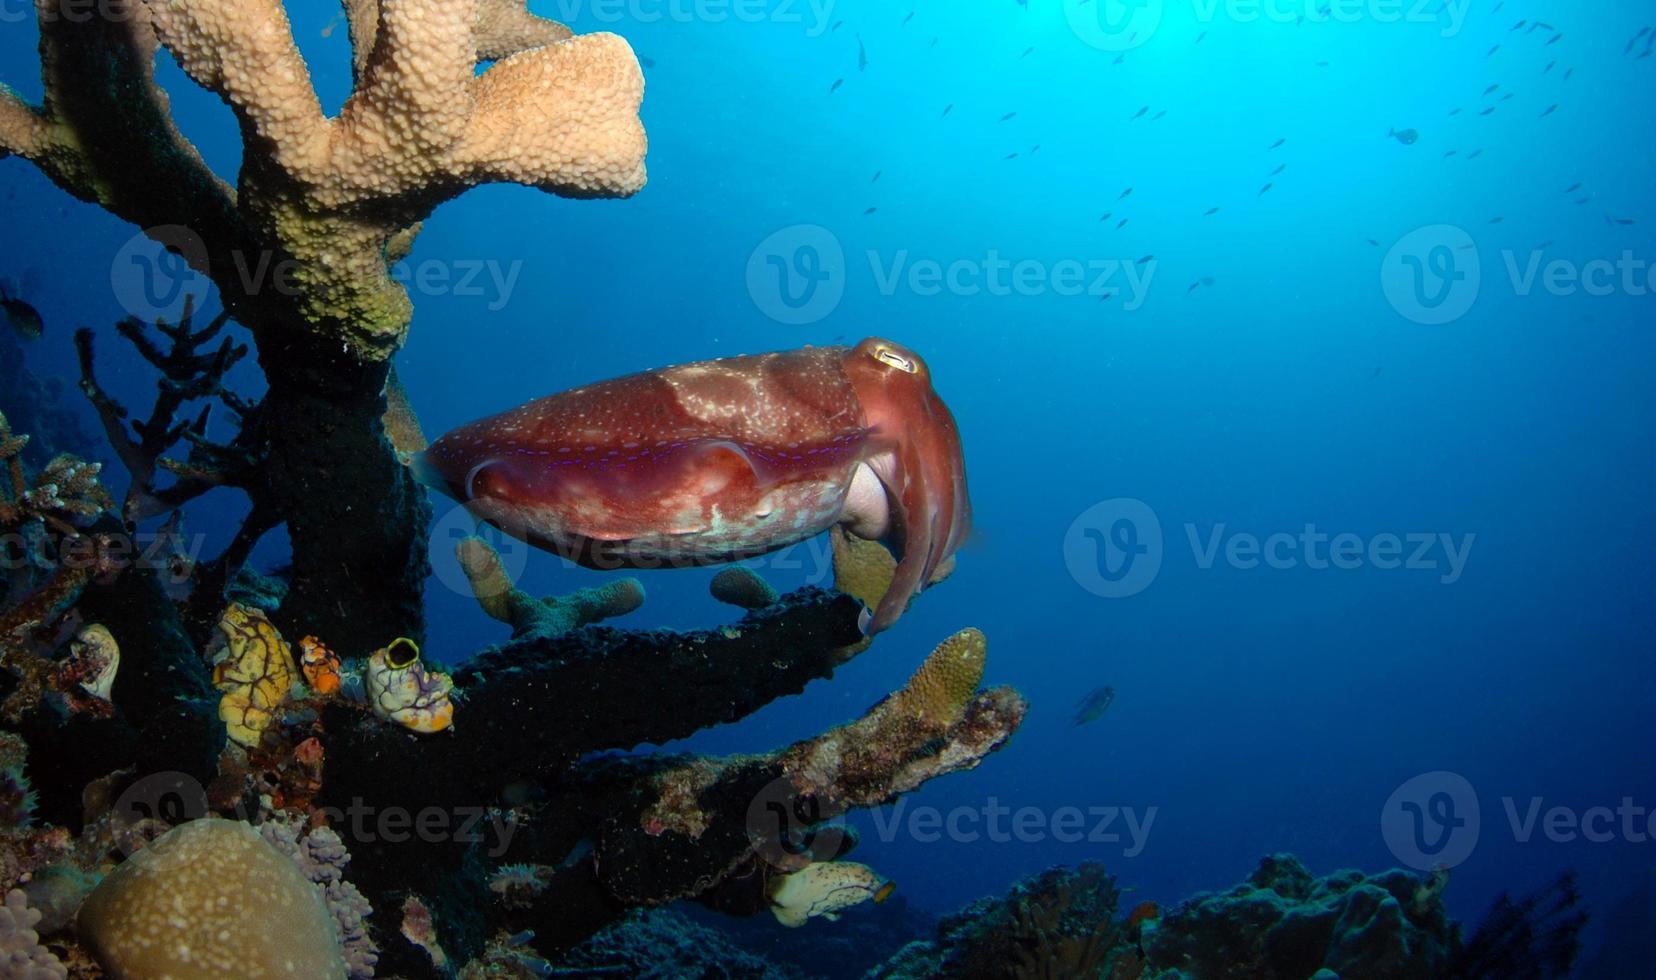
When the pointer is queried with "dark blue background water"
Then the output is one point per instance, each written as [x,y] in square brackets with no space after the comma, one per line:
[1257,710]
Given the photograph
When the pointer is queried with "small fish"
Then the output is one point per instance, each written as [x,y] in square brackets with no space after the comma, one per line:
[837,25]
[1280,168]
[1518,25]
[1124,194]
[1408,137]
[862,55]
[1372,242]
[1092,706]
[1455,111]
[1449,154]
[1145,258]
[1487,111]
[907,19]
[1119,58]
[1492,88]
[836,86]
[877,174]
[1106,217]
[1009,116]
[25,319]
[1011,156]
[1497,220]
[1278,143]
[1141,112]
[1035,149]
[1620,221]
[947,109]
[1475,154]
[1158,115]
[1492,51]
[871,210]
[1267,187]
[1549,68]
[1553,40]
[1027,52]
[646,61]
[1568,72]
[1200,36]
[1549,110]
[1583,200]
[1210,212]
[1573,188]
[1122,225]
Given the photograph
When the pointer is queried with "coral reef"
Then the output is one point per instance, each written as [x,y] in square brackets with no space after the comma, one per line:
[322,857]
[665,945]
[210,898]
[1282,922]
[1536,937]
[21,955]
[1060,923]
[327,204]
[551,616]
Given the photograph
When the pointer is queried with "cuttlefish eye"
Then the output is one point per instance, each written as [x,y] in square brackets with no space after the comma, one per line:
[401,653]
[896,360]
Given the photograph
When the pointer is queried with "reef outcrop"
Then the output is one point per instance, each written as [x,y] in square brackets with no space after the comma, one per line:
[300,248]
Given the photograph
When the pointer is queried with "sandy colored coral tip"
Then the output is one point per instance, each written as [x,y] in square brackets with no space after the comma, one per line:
[741,586]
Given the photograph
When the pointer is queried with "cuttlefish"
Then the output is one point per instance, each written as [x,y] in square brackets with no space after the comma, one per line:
[723,460]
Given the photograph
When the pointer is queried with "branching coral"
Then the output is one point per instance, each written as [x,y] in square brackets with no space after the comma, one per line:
[548,617]
[63,495]
[328,196]
[188,374]
[301,248]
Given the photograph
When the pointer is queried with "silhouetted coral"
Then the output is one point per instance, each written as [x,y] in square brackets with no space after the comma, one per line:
[1535,937]
[1060,923]
[1283,924]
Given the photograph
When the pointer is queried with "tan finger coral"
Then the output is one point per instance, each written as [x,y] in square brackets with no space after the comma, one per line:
[208,899]
[332,200]
[742,587]
[546,617]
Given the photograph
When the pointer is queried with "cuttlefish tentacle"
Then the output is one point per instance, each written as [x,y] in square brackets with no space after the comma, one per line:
[918,459]
[721,460]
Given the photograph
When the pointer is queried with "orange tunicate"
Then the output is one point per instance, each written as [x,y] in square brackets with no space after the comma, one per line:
[321,666]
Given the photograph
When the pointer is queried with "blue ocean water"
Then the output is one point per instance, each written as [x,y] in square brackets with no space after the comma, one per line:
[1269,368]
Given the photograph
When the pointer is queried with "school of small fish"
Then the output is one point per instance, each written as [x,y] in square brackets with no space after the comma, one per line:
[1527,40]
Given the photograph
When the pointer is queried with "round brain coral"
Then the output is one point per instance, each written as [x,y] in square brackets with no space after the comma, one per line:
[208,899]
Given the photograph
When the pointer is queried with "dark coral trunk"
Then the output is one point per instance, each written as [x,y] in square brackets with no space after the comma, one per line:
[355,518]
